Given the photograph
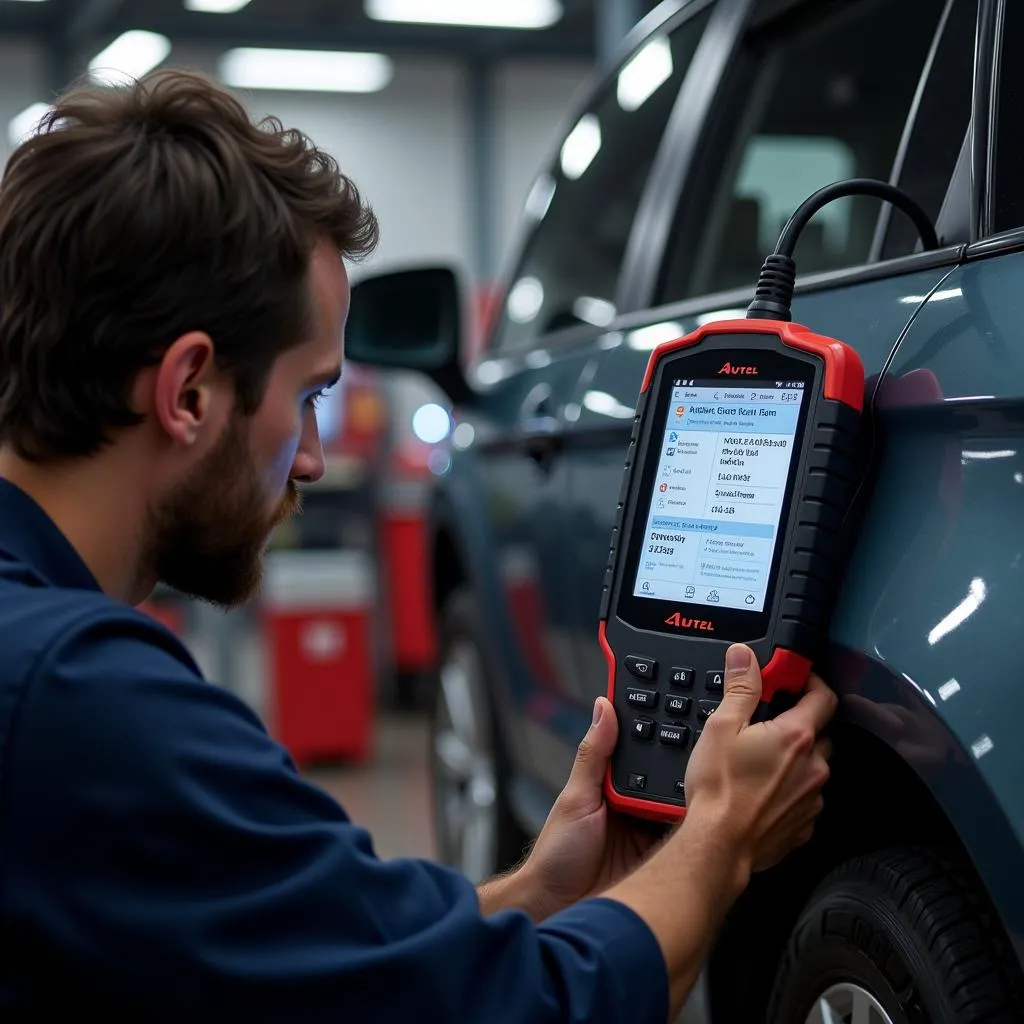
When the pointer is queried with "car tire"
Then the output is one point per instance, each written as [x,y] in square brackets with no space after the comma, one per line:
[474,827]
[899,937]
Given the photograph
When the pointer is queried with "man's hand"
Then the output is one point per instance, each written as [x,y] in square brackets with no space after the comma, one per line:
[585,847]
[753,792]
[761,782]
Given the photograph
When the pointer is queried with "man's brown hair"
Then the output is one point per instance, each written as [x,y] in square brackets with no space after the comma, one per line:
[139,213]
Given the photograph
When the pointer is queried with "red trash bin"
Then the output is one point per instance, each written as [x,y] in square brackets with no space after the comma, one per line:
[405,563]
[316,614]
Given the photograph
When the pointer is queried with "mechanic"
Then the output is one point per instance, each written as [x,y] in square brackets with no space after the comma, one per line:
[173,294]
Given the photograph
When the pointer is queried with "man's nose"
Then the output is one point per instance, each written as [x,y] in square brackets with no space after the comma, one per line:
[308,466]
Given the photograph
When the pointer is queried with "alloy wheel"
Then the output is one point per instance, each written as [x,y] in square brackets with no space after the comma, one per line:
[848,1004]
[465,784]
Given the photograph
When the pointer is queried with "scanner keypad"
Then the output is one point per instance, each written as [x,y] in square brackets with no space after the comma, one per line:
[672,711]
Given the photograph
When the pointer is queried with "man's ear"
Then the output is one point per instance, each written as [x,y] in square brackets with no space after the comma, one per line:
[184,387]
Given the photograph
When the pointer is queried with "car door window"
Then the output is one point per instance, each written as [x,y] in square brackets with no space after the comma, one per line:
[584,206]
[1008,198]
[938,135]
[816,94]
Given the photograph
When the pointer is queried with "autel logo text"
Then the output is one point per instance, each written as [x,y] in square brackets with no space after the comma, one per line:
[738,371]
[680,622]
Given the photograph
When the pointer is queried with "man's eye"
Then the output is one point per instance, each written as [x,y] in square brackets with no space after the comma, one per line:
[317,397]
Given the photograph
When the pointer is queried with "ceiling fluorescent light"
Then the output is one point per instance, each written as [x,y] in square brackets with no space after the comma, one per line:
[305,70]
[485,13]
[130,55]
[24,124]
[216,6]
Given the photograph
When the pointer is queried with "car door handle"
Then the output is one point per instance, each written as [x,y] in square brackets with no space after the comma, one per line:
[540,429]
[542,437]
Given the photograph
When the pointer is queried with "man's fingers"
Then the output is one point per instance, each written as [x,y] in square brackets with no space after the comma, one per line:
[794,829]
[742,684]
[814,709]
[804,812]
[882,715]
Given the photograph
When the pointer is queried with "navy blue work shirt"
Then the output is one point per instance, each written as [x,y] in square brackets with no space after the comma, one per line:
[161,858]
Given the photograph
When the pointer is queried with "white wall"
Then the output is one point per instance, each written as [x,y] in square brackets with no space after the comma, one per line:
[532,100]
[21,82]
[406,150]
[408,147]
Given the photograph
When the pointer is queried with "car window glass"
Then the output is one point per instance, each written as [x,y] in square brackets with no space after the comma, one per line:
[939,129]
[585,205]
[819,94]
[1008,201]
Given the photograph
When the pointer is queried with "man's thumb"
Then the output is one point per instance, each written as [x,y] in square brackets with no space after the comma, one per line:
[594,750]
[742,683]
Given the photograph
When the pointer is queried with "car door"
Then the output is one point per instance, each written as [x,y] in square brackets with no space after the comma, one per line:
[937,599]
[562,294]
[813,93]
[869,285]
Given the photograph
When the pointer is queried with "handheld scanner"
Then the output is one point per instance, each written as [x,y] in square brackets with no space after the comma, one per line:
[743,461]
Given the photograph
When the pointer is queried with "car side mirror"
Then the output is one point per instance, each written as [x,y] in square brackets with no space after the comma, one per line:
[410,320]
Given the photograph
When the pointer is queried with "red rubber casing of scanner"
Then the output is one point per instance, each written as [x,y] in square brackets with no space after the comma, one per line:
[844,371]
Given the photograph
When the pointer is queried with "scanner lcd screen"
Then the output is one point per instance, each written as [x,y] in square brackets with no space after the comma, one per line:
[718,492]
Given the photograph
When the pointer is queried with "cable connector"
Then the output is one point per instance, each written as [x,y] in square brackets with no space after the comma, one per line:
[775,286]
[773,297]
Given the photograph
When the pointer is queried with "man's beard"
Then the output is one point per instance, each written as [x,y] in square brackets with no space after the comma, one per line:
[208,536]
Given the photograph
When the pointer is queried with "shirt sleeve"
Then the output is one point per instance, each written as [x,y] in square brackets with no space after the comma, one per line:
[166,848]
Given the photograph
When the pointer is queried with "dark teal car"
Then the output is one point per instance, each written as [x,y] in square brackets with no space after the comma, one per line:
[671,183]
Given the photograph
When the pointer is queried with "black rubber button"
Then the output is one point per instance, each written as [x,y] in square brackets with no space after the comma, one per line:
[678,706]
[641,698]
[674,735]
[682,677]
[642,668]
[643,729]
[707,709]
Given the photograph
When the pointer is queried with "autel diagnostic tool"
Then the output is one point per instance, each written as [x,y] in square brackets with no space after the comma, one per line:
[744,459]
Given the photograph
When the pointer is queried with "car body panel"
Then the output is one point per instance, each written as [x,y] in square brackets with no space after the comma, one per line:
[934,598]
[506,512]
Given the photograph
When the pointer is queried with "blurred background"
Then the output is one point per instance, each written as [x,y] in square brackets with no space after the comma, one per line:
[444,112]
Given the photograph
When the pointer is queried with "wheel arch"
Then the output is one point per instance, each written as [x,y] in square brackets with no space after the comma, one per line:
[875,799]
[447,567]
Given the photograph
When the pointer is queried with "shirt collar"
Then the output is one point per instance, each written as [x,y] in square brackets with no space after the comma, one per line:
[29,535]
